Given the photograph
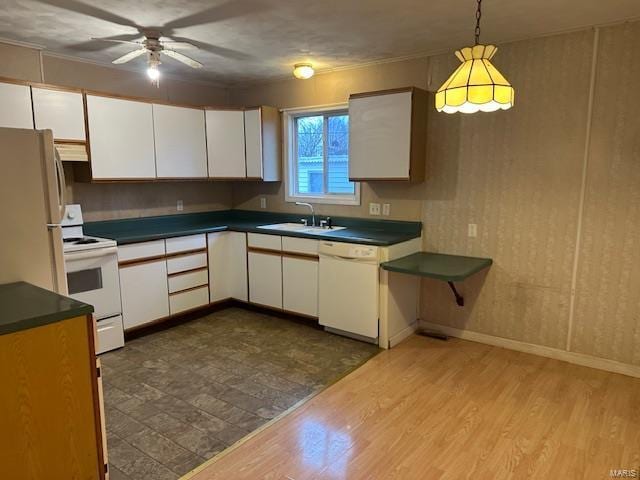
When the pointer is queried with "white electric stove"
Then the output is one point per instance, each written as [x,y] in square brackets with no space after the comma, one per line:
[91,266]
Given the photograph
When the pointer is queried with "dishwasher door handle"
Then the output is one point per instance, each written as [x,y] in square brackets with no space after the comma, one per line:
[349,259]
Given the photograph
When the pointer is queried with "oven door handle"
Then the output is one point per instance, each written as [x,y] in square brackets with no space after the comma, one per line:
[96,253]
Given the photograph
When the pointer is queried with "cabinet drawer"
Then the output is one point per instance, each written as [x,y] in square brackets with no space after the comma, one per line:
[180,302]
[186,262]
[185,244]
[138,251]
[260,240]
[185,281]
[300,245]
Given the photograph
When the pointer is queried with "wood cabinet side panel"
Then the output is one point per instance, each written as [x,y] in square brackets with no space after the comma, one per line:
[48,403]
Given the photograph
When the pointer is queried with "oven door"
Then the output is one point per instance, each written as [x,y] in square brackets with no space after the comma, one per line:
[92,276]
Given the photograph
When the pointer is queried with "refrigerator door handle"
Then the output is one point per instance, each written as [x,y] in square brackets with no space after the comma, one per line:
[62,184]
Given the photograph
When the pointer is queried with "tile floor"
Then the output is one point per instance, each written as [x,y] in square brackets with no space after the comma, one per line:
[176,398]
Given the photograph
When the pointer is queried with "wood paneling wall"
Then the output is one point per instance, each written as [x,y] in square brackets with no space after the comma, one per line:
[517,174]
[606,322]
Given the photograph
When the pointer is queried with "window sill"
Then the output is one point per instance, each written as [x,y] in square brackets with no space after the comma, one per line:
[327,200]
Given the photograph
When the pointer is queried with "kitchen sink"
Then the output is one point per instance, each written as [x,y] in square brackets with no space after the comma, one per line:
[299,227]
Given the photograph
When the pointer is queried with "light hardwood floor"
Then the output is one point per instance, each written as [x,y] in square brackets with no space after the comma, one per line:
[448,410]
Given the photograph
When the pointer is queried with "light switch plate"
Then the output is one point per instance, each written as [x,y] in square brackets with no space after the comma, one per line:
[263,202]
[473,230]
[179,205]
[386,209]
[374,209]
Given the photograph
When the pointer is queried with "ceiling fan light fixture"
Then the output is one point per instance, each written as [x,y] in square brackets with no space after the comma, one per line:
[153,61]
[153,73]
[303,71]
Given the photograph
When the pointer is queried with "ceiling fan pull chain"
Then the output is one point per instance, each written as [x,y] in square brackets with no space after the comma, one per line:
[478,17]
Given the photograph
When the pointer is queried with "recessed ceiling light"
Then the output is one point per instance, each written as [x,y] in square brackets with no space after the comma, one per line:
[303,71]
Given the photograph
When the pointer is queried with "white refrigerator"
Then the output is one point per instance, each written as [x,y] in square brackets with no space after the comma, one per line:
[32,190]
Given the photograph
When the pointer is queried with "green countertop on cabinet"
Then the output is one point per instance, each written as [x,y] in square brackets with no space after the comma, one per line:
[449,268]
[363,231]
[24,306]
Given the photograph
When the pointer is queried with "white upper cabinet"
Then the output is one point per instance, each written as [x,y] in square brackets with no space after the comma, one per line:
[60,111]
[262,138]
[387,135]
[181,151]
[15,106]
[225,144]
[121,139]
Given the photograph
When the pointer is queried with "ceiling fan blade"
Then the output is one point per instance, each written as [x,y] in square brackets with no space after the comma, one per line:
[91,11]
[216,50]
[96,44]
[177,45]
[128,42]
[182,58]
[129,56]
[218,13]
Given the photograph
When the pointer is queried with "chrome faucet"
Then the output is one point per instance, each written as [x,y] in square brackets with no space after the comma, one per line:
[313,214]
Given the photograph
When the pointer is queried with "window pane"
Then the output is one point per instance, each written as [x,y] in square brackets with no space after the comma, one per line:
[338,155]
[309,161]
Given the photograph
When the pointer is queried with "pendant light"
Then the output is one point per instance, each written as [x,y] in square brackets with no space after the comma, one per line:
[476,86]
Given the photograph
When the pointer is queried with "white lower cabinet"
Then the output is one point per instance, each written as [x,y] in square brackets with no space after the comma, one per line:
[144,292]
[227,266]
[300,285]
[265,279]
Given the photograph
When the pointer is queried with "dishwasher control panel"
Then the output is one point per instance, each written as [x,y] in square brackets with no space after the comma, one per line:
[349,250]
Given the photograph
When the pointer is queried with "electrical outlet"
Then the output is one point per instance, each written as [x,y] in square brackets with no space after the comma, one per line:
[386,209]
[263,202]
[179,206]
[473,230]
[374,209]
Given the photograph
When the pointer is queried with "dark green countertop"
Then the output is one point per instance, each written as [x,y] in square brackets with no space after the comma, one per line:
[364,231]
[450,268]
[26,306]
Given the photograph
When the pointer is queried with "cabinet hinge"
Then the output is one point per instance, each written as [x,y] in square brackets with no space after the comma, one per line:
[98,373]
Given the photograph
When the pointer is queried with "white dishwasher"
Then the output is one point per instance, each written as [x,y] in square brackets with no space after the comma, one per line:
[349,285]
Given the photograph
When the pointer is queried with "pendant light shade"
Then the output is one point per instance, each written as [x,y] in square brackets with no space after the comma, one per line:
[476,86]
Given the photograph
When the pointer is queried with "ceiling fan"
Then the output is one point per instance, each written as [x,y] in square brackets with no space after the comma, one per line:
[153,47]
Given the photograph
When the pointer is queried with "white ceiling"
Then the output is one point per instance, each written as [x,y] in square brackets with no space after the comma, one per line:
[249,40]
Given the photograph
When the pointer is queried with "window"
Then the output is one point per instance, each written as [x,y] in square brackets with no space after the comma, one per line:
[317,156]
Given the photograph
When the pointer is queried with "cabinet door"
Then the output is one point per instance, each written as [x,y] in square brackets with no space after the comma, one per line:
[121,138]
[300,285]
[62,112]
[15,106]
[144,292]
[180,138]
[227,266]
[265,279]
[225,144]
[253,140]
[380,136]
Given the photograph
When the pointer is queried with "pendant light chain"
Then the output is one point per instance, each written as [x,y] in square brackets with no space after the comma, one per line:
[478,17]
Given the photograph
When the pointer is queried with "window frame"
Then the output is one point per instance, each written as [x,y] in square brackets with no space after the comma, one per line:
[289,117]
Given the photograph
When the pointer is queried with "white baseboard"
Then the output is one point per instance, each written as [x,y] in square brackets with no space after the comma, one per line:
[402,334]
[557,354]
